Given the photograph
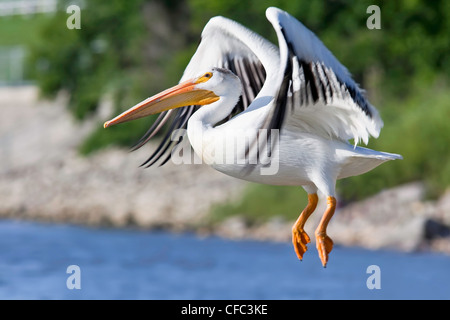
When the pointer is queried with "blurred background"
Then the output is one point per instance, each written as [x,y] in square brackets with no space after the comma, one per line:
[58,164]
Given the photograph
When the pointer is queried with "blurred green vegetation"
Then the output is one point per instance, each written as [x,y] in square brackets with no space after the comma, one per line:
[133,49]
[16,33]
[260,202]
[102,57]
[18,30]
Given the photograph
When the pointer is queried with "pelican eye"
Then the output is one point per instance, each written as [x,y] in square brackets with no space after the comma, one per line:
[205,77]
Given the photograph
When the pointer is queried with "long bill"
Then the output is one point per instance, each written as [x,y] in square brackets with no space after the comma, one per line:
[181,95]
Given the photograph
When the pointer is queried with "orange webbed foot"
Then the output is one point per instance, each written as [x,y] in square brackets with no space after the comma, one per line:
[324,246]
[300,239]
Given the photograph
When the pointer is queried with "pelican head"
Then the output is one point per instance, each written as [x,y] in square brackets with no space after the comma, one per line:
[201,90]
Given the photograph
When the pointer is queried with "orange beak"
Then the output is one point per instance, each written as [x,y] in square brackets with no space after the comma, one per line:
[181,95]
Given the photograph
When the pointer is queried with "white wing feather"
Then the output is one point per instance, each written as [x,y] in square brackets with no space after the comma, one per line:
[222,38]
[336,115]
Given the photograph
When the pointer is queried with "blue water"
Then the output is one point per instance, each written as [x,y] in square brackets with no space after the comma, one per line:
[130,264]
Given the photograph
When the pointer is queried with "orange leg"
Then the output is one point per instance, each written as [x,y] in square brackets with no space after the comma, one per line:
[324,243]
[299,237]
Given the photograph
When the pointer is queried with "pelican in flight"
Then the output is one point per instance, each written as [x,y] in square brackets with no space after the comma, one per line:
[297,96]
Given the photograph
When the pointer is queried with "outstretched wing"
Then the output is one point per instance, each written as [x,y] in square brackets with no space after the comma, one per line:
[317,88]
[225,44]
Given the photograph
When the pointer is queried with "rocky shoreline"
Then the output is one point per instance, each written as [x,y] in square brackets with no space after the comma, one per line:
[43,178]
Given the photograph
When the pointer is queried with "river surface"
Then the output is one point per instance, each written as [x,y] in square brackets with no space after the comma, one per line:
[132,264]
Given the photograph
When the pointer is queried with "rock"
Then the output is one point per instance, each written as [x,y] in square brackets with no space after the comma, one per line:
[443,208]
[276,229]
[233,228]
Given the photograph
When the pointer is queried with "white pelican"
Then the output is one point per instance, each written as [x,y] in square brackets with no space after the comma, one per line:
[238,80]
